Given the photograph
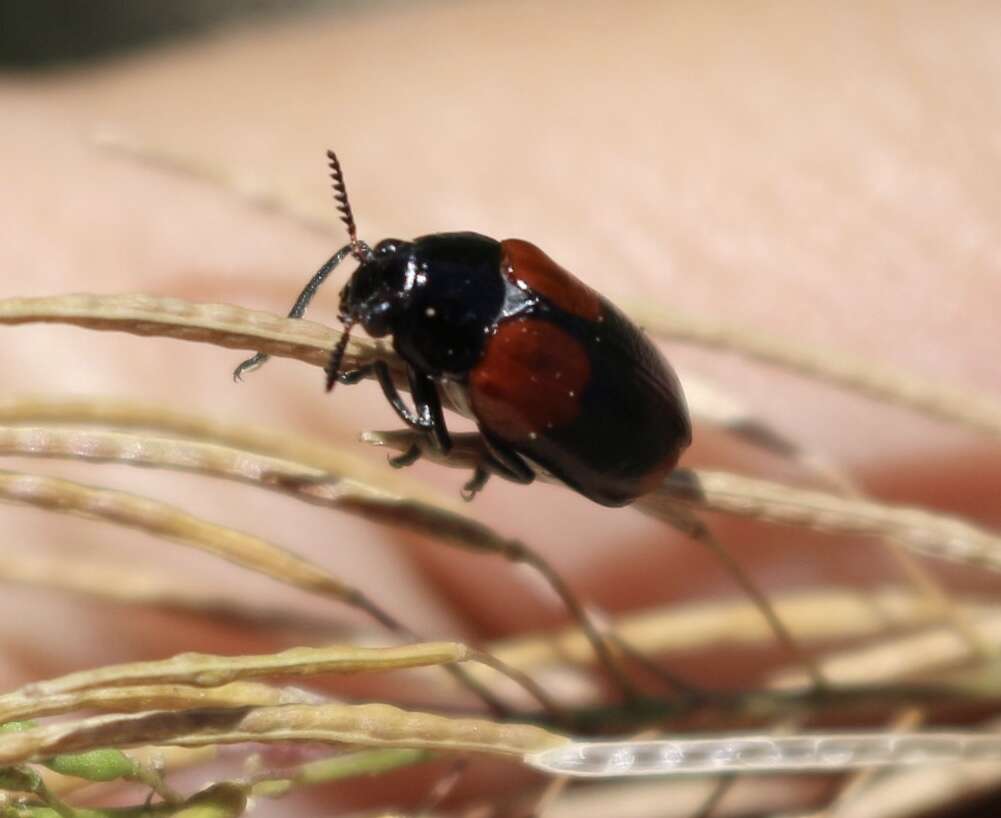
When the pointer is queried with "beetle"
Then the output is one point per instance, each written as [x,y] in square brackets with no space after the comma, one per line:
[554,375]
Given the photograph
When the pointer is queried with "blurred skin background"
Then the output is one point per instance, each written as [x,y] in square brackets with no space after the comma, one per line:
[824,172]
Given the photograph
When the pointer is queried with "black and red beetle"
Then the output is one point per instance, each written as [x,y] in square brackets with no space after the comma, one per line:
[553,373]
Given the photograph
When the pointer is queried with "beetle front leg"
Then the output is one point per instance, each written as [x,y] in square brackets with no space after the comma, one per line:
[428,403]
[302,302]
[430,417]
[427,415]
[380,369]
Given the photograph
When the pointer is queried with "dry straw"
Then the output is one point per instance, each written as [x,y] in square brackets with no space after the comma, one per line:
[924,531]
[152,437]
[195,700]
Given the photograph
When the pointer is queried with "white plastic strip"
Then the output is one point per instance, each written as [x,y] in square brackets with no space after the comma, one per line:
[765,754]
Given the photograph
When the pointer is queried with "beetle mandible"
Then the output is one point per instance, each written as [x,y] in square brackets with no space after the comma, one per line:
[554,375]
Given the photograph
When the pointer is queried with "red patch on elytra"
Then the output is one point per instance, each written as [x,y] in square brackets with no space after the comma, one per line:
[529,380]
[525,264]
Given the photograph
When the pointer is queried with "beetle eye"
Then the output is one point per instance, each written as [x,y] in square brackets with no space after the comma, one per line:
[376,319]
[387,247]
[363,284]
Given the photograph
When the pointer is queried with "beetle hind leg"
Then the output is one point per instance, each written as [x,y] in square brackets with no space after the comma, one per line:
[507,463]
[497,459]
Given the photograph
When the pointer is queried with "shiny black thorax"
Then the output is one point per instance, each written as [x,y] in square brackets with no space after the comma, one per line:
[438,295]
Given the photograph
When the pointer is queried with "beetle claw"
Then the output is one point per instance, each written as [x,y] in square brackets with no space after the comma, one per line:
[476,484]
[407,458]
[249,365]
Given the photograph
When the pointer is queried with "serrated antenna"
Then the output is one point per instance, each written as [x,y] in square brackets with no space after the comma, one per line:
[333,367]
[343,205]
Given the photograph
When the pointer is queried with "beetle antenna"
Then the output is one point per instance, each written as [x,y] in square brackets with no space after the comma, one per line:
[299,308]
[333,367]
[344,206]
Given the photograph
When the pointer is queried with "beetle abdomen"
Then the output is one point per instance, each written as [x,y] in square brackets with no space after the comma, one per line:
[592,401]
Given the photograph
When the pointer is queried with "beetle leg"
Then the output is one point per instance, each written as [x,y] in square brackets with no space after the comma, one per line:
[302,302]
[497,460]
[476,483]
[407,458]
[508,463]
[415,420]
[353,376]
[428,404]
[425,417]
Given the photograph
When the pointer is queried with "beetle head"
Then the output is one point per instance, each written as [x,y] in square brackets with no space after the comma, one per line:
[380,288]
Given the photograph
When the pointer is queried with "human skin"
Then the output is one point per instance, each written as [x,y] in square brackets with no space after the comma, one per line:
[827,173]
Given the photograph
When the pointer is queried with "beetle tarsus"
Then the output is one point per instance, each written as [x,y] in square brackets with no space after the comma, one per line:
[299,307]
[249,365]
[475,485]
[407,458]
[508,463]
[352,376]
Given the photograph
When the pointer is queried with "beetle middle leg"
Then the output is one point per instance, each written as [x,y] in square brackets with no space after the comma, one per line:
[426,416]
